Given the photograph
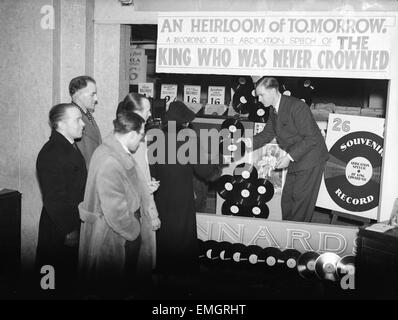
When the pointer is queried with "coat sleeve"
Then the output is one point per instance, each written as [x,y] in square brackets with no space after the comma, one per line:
[59,206]
[265,136]
[114,203]
[307,129]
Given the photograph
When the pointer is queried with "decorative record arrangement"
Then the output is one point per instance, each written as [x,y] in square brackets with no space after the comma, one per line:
[309,265]
[230,146]
[244,193]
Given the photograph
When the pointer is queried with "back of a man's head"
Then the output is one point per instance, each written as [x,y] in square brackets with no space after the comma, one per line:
[127,121]
[267,83]
[79,83]
[57,114]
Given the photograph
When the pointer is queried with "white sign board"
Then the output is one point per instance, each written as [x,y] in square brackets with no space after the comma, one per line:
[168,92]
[216,95]
[137,65]
[146,88]
[192,94]
[332,44]
[352,175]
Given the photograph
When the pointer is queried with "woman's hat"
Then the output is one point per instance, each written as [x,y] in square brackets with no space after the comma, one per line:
[179,113]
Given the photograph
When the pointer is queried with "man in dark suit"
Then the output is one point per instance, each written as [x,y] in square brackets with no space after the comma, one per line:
[62,175]
[83,91]
[292,124]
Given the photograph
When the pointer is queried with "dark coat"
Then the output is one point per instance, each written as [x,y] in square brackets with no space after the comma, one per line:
[62,175]
[176,240]
[296,132]
[90,140]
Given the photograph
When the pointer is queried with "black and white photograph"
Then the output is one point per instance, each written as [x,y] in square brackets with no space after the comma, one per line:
[198,157]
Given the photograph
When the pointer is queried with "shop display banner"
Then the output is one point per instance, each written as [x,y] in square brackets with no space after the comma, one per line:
[334,44]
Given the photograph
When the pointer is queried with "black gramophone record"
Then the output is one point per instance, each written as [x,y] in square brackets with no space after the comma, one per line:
[202,248]
[258,210]
[217,248]
[208,246]
[225,186]
[232,150]
[326,266]
[346,265]
[246,193]
[290,257]
[259,113]
[234,251]
[306,265]
[232,209]
[222,248]
[271,256]
[243,99]
[234,127]
[265,190]
[245,172]
[254,254]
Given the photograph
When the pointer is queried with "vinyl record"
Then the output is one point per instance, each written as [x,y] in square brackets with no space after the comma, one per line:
[306,265]
[232,150]
[222,248]
[326,266]
[243,99]
[353,171]
[245,172]
[245,194]
[259,113]
[202,248]
[346,265]
[225,186]
[232,209]
[265,190]
[242,81]
[209,245]
[234,251]
[289,258]
[217,248]
[258,210]
[254,254]
[271,256]
[234,126]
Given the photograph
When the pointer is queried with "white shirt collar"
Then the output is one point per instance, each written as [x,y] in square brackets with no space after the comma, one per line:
[126,149]
[276,106]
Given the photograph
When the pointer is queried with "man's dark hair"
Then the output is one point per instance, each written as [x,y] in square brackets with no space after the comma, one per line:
[267,83]
[133,102]
[127,121]
[79,83]
[57,113]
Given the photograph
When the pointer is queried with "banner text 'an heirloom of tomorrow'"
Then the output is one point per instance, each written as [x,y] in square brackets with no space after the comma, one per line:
[252,43]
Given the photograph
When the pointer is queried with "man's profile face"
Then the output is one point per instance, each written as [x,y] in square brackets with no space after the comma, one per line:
[135,139]
[266,96]
[86,97]
[146,109]
[72,124]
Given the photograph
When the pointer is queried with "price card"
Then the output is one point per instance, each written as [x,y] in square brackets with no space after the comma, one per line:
[216,95]
[168,92]
[146,88]
[192,94]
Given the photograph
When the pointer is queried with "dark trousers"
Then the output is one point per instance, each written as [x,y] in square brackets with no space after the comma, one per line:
[300,193]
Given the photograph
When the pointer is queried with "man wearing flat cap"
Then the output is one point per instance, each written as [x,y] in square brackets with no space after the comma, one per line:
[177,252]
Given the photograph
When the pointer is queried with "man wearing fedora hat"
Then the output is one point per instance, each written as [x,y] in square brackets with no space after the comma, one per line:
[177,252]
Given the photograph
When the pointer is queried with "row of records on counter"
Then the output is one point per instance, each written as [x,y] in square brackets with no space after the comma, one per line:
[309,265]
